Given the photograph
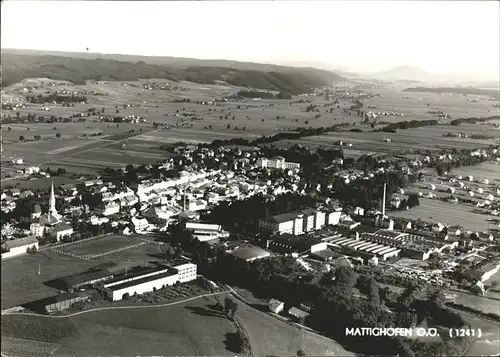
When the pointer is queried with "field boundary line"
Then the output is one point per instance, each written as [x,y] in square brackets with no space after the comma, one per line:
[119,307]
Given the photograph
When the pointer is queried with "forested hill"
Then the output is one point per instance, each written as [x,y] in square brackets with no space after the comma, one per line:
[18,66]
[495,93]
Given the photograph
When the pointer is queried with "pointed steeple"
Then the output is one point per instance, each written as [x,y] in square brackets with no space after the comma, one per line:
[52,202]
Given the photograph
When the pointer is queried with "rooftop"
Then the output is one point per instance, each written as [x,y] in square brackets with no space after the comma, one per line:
[281,218]
[21,242]
[126,284]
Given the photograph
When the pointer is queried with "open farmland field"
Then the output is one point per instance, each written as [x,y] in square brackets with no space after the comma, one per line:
[172,330]
[195,122]
[488,344]
[189,328]
[490,171]
[42,183]
[273,337]
[489,306]
[102,245]
[415,108]
[21,284]
[430,138]
[446,213]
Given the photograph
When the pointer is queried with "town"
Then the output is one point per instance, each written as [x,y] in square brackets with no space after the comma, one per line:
[299,179]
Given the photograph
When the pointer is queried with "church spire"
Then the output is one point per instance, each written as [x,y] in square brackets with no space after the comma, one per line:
[52,202]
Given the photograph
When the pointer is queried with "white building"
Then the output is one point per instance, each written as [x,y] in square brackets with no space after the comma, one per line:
[276,306]
[108,208]
[149,280]
[291,223]
[140,224]
[333,218]
[19,246]
[277,163]
[206,232]
[62,230]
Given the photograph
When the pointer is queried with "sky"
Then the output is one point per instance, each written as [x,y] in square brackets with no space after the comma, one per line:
[458,37]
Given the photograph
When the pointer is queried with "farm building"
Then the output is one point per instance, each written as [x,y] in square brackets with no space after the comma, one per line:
[298,313]
[19,246]
[141,280]
[250,253]
[276,306]
[63,301]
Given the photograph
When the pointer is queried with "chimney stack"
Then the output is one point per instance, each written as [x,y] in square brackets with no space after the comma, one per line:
[383,200]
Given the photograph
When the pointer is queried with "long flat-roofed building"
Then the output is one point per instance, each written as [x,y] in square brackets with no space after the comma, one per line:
[141,280]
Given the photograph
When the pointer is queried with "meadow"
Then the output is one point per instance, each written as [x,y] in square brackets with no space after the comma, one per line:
[191,328]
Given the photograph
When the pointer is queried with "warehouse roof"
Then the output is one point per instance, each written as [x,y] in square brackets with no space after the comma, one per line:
[126,284]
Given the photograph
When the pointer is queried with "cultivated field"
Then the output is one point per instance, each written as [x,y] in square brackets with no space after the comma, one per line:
[247,118]
[489,306]
[488,344]
[432,210]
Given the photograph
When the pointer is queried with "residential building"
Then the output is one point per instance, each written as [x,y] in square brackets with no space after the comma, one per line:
[62,230]
[140,224]
[108,208]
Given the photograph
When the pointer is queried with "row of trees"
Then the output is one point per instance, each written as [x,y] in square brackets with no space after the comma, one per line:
[50,98]
[403,125]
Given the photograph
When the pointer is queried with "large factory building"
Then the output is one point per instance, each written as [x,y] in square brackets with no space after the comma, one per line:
[141,280]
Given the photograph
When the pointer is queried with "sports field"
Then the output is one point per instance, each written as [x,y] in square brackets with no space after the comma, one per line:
[103,245]
[21,284]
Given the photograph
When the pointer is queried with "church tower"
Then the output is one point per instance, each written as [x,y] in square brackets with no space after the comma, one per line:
[52,202]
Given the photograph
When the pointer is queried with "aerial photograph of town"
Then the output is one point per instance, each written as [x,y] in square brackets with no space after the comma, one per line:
[250,178]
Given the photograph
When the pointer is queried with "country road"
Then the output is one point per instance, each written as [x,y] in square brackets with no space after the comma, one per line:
[118,307]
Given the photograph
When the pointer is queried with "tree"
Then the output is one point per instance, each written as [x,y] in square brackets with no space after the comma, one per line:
[413,200]
[374,293]
[37,137]
[301,353]
[21,138]
[9,128]
[58,135]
